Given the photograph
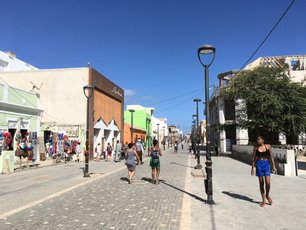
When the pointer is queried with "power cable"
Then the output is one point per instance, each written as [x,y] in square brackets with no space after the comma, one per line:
[271,31]
[174,97]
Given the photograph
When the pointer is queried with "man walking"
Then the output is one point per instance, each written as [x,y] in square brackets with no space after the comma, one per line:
[139,151]
[117,151]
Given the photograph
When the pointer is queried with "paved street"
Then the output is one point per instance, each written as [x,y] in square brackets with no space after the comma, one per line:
[58,197]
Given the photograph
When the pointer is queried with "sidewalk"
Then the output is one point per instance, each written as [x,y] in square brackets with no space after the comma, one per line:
[237,197]
[178,202]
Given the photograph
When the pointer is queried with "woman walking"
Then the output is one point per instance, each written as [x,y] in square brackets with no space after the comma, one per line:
[130,161]
[262,154]
[155,153]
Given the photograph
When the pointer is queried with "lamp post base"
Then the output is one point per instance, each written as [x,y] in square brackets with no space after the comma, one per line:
[86,175]
[210,200]
[198,166]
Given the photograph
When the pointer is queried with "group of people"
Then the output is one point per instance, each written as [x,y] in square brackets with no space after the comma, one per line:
[107,154]
[262,159]
[136,152]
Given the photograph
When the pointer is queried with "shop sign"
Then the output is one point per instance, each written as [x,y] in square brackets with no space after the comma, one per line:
[117,91]
[71,131]
[12,124]
[24,125]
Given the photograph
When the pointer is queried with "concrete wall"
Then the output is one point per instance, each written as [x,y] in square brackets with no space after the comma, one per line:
[61,92]
[284,158]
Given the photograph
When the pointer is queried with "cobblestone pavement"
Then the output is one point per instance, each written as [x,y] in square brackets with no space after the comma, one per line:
[111,203]
[107,201]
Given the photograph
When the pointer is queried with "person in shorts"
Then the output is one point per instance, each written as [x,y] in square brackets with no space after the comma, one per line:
[262,155]
[139,151]
[155,153]
[130,161]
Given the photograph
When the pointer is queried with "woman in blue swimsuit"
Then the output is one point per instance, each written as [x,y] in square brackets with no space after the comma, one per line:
[262,155]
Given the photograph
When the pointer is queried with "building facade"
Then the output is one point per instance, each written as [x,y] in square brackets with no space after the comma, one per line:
[142,124]
[223,112]
[10,62]
[65,105]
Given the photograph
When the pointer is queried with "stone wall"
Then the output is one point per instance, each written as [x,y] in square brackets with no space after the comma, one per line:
[285,160]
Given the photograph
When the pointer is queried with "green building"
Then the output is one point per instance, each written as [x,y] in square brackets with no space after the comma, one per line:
[19,111]
[142,120]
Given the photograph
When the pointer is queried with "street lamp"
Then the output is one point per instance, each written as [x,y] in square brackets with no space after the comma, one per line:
[149,137]
[157,133]
[198,166]
[207,50]
[164,139]
[193,143]
[132,125]
[88,91]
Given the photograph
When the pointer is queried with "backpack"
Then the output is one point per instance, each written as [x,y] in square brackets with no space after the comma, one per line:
[155,154]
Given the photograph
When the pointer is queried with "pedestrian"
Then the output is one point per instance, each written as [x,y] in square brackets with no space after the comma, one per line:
[79,151]
[109,150]
[262,155]
[164,144]
[182,144]
[216,147]
[175,147]
[130,161]
[155,153]
[98,152]
[139,151]
[118,149]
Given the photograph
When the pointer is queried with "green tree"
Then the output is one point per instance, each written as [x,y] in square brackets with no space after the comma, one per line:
[273,102]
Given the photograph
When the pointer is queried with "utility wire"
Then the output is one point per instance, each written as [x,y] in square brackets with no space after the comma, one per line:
[174,97]
[265,39]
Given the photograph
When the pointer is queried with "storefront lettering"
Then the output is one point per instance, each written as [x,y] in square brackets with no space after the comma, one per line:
[12,124]
[117,91]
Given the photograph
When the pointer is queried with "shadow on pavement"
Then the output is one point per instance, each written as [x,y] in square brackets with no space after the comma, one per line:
[188,193]
[180,164]
[241,197]
[124,179]
[150,180]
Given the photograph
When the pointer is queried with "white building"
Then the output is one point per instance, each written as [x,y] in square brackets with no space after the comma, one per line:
[222,112]
[160,129]
[9,62]
[63,101]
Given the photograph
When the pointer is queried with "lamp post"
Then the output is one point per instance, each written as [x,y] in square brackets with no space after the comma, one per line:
[198,166]
[132,125]
[164,139]
[149,138]
[157,132]
[207,50]
[88,91]
[194,117]
[191,136]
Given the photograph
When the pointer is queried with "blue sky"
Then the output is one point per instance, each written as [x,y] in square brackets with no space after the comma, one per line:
[148,47]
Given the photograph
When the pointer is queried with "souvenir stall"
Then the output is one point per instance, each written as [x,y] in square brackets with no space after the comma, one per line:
[60,147]
[26,149]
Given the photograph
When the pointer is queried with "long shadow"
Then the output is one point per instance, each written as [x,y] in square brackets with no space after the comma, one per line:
[124,179]
[239,196]
[150,180]
[180,164]
[188,193]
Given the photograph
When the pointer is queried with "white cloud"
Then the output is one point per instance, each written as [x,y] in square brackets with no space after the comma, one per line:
[129,93]
[147,98]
